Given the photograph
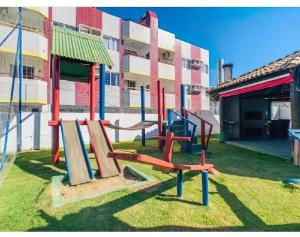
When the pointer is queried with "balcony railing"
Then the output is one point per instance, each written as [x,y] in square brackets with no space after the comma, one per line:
[136,64]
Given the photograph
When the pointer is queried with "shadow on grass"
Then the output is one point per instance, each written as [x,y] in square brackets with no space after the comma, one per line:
[102,218]
[38,163]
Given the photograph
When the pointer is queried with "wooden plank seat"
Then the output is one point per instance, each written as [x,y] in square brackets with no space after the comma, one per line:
[149,160]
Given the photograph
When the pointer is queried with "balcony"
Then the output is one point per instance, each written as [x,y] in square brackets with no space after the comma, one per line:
[135,32]
[132,98]
[34,44]
[166,40]
[136,66]
[166,71]
[170,101]
[34,91]
[33,19]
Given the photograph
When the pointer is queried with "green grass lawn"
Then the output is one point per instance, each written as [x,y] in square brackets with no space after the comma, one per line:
[247,195]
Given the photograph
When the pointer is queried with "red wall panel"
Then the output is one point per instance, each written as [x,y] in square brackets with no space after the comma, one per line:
[196,79]
[89,16]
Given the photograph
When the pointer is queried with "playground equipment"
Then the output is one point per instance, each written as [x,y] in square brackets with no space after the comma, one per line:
[295,135]
[77,162]
[17,72]
[187,127]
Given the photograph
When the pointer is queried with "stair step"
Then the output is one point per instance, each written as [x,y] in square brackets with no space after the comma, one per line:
[178,122]
[196,147]
[177,127]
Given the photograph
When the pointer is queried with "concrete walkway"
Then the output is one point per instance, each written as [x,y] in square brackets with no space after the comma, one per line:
[276,147]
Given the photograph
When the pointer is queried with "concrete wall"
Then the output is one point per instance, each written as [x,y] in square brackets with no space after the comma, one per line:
[231,112]
[37,133]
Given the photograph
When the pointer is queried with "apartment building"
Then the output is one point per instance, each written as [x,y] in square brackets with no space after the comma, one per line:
[141,52]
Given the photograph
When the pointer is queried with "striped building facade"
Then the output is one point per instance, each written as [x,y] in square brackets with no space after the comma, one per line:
[141,52]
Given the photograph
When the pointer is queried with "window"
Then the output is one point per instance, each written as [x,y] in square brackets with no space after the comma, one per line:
[112,79]
[111,43]
[65,25]
[107,78]
[115,79]
[131,85]
[28,72]
[204,68]
[186,63]
[89,30]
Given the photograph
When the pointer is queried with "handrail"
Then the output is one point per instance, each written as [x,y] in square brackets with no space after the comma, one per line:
[202,121]
[185,121]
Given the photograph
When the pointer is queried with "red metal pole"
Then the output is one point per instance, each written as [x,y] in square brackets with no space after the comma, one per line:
[163,104]
[203,135]
[55,109]
[92,92]
[159,109]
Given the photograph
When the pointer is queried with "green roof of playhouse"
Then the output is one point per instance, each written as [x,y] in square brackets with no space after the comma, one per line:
[76,45]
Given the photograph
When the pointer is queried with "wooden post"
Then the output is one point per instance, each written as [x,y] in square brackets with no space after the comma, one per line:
[295,100]
[168,147]
[92,92]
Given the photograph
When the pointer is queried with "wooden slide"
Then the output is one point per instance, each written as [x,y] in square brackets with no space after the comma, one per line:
[78,166]
[102,146]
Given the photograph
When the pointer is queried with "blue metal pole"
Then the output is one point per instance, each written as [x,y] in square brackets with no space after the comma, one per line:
[7,124]
[169,120]
[182,99]
[205,194]
[143,114]
[102,92]
[179,184]
[20,80]
[8,35]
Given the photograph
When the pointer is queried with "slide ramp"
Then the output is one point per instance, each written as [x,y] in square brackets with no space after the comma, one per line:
[107,167]
[78,166]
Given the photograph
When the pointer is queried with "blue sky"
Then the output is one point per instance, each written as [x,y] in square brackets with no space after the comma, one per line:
[246,37]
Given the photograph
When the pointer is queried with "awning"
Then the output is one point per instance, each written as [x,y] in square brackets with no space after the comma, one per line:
[79,46]
[276,81]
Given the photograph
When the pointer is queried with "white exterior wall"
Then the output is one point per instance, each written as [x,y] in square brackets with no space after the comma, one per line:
[30,134]
[33,91]
[34,44]
[185,50]
[166,40]
[112,96]
[110,25]
[170,101]
[166,71]
[136,65]
[134,31]
[67,92]
[65,15]
[186,76]
[135,99]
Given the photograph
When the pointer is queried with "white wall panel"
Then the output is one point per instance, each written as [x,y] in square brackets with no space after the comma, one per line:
[34,44]
[185,50]
[65,15]
[110,25]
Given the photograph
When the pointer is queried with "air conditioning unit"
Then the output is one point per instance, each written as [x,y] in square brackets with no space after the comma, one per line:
[196,63]
[194,90]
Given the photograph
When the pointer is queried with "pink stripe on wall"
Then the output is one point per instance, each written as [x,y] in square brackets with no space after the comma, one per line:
[153,57]
[92,17]
[178,73]
[196,79]
[89,16]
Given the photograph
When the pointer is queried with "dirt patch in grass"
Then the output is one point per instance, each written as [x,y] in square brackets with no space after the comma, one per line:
[126,178]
